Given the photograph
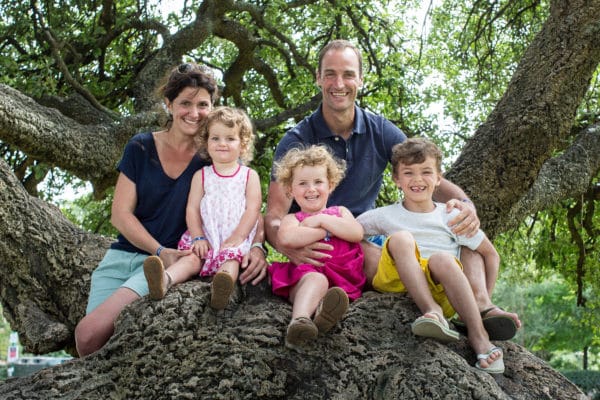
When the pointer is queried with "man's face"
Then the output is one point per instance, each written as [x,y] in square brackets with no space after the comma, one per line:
[340,79]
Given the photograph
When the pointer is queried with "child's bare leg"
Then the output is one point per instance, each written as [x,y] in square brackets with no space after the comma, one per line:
[432,324]
[223,283]
[446,271]
[232,267]
[401,246]
[184,269]
[306,294]
[159,280]
[305,297]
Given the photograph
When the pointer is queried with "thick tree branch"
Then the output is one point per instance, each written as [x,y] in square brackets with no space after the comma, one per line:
[568,175]
[88,151]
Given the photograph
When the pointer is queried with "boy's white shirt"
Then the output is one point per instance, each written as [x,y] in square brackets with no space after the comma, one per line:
[430,230]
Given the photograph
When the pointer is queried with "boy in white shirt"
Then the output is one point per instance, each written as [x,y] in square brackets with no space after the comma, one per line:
[433,276]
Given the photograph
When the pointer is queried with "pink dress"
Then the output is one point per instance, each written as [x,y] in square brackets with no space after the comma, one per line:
[221,208]
[343,269]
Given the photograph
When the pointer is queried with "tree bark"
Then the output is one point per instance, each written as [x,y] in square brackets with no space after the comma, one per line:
[45,267]
[533,120]
[89,151]
[179,348]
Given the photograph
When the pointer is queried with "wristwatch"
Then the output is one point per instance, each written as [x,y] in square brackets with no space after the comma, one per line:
[260,246]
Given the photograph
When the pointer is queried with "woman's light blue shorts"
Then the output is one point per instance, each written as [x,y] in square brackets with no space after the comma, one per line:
[117,269]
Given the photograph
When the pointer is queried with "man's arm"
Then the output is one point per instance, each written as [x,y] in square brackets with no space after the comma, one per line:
[278,205]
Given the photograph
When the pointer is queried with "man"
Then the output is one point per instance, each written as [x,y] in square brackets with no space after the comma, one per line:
[365,140]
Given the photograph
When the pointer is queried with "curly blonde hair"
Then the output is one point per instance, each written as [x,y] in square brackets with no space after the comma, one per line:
[230,117]
[311,156]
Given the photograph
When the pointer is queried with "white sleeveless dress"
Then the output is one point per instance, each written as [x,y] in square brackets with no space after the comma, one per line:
[221,208]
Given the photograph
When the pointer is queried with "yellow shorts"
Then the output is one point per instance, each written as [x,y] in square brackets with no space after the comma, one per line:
[387,280]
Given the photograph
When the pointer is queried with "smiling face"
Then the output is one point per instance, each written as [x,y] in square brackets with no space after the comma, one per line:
[224,144]
[340,79]
[418,181]
[188,109]
[311,188]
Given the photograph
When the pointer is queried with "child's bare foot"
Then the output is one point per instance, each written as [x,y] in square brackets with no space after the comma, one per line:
[492,361]
[157,278]
[299,331]
[332,308]
[220,290]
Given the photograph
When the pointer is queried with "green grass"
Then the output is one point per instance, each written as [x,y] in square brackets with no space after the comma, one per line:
[4,335]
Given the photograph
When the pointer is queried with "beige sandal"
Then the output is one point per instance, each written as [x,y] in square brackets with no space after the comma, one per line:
[435,328]
[300,330]
[494,367]
[220,290]
[155,274]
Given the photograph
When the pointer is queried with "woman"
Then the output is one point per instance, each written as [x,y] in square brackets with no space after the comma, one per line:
[149,205]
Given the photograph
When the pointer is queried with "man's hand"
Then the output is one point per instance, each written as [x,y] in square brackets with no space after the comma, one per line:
[310,254]
[467,222]
[254,266]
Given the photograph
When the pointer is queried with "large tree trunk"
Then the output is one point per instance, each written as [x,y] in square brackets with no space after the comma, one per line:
[45,267]
[534,120]
[180,348]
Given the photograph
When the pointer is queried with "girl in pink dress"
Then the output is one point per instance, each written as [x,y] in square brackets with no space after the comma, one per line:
[222,210]
[309,176]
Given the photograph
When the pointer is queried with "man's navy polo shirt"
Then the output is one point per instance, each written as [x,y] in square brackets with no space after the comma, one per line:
[367,153]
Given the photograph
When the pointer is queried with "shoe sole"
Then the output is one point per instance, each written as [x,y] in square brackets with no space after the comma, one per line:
[220,290]
[498,327]
[154,272]
[333,307]
[299,333]
[434,329]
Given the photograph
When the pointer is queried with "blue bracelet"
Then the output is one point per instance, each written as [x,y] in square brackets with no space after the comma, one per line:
[327,237]
[160,248]
[194,240]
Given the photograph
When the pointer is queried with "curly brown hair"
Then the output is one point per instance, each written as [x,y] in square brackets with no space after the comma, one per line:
[184,76]
[311,156]
[230,117]
[415,151]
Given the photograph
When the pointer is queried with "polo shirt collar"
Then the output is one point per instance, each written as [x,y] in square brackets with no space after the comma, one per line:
[323,130]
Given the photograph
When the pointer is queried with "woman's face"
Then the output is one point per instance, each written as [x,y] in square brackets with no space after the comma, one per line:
[188,109]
